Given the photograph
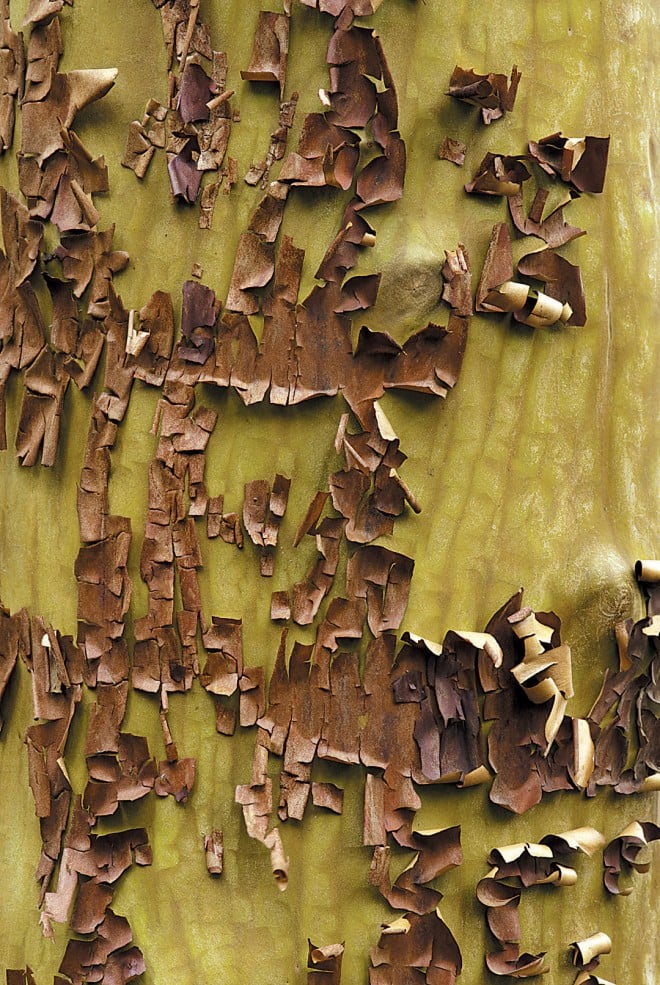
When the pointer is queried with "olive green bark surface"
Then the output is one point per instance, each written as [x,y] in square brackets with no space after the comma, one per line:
[540,469]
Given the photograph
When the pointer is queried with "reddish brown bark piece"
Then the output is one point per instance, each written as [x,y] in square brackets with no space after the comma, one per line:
[372,360]
[329,796]
[107,715]
[441,681]
[225,525]
[374,830]
[225,718]
[39,184]
[382,577]
[253,268]
[492,93]
[107,954]
[553,229]
[348,489]
[308,594]
[65,327]
[81,366]
[580,161]
[323,342]
[128,776]
[214,850]
[38,777]
[274,725]
[231,174]
[41,10]
[20,977]
[356,58]
[309,522]
[90,172]
[352,96]
[237,358]
[386,975]
[620,855]
[176,779]
[358,293]
[183,32]
[562,280]
[65,181]
[104,591]
[213,139]
[119,371]
[504,923]
[101,860]
[224,666]
[327,154]
[38,429]
[358,8]
[53,690]
[279,499]
[453,150]
[252,690]
[22,237]
[457,277]
[166,658]
[309,701]
[267,218]
[331,146]
[354,63]
[343,621]
[342,254]
[270,50]
[404,894]
[196,90]
[14,640]
[510,963]
[416,942]
[369,492]
[632,729]
[255,507]
[45,121]
[73,210]
[263,510]
[386,737]
[498,175]
[340,734]
[89,909]
[156,320]
[498,265]
[43,55]
[207,204]
[294,793]
[23,332]
[259,173]
[198,319]
[381,180]
[185,176]
[89,258]
[518,733]
[430,360]
[324,964]
[256,800]
[12,59]
[439,851]
[92,504]
[280,606]
[139,150]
